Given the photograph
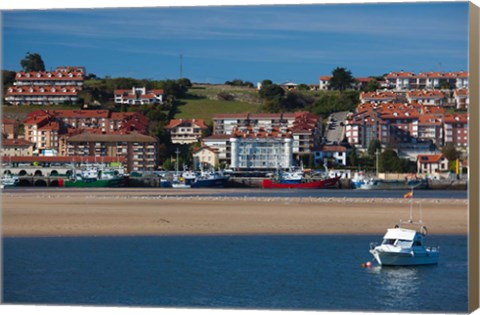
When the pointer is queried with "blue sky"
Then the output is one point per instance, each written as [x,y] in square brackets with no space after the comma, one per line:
[283,43]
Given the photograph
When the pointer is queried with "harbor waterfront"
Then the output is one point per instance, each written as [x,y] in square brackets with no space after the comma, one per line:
[226,248]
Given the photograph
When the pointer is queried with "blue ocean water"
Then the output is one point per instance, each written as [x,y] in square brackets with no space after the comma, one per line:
[248,272]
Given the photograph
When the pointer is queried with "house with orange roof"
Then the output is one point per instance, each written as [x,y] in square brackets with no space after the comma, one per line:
[16,147]
[378,97]
[138,96]
[427,97]
[336,153]
[462,99]
[402,80]
[431,163]
[186,131]
[205,157]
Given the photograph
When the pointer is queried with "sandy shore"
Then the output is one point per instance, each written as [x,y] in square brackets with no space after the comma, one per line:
[147,212]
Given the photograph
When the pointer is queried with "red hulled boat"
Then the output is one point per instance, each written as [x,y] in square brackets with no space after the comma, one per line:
[314,184]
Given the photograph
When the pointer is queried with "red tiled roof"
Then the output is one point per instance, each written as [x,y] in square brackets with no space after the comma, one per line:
[16,143]
[333,148]
[200,123]
[205,147]
[461,92]
[63,159]
[231,116]
[456,118]
[378,95]
[429,158]
[7,121]
[429,94]
[401,74]
[43,90]
[49,75]
[325,77]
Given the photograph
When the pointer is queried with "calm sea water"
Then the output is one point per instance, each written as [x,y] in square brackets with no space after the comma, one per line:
[250,272]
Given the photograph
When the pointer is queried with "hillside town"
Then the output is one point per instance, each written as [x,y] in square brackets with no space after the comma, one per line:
[415,115]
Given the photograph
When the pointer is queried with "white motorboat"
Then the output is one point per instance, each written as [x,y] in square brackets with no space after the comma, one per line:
[404,247]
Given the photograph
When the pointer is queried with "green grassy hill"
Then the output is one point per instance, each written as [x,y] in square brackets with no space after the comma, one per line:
[204,101]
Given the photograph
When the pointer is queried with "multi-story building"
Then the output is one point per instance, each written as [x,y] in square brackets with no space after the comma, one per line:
[220,143]
[46,87]
[253,150]
[427,80]
[41,95]
[186,131]
[462,99]
[62,76]
[205,157]
[455,129]
[378,97]
[9,128]
[43,131]
[305,128]
[430,128]
[140,151]
[49,129]
[16,147]
[395,124]
[138,96]
[261,150]
[427,97]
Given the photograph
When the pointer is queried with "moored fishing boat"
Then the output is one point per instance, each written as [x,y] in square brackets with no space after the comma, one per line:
[405,247]
[210,179]
[313,184]
[94,177]
[361,181]
[9,180]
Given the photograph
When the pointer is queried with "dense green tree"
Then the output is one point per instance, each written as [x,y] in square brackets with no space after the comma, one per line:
[373,147]
[32,62]
[372,85]
[341,79]
[266,82]
[238,82]
[296,101]
[353,156]
[271,92]
[450,152]
[303,87]
[389,162]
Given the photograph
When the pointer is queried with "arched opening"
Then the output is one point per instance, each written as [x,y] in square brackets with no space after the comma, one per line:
[7,172]
[69,173]
[54,183]
[24,182]
[22,173]
[41,183]
[38,173]
[54,173]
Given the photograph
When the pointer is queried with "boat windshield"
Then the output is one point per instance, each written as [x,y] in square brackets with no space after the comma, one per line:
[397,242]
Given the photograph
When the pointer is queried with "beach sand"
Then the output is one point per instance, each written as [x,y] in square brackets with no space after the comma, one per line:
[118,212]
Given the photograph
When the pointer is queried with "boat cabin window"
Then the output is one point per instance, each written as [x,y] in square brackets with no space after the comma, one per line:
[404,243]
[397,242]
[389,241]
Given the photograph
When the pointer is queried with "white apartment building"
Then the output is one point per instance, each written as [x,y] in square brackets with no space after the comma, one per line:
[261,152]
[138,96]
